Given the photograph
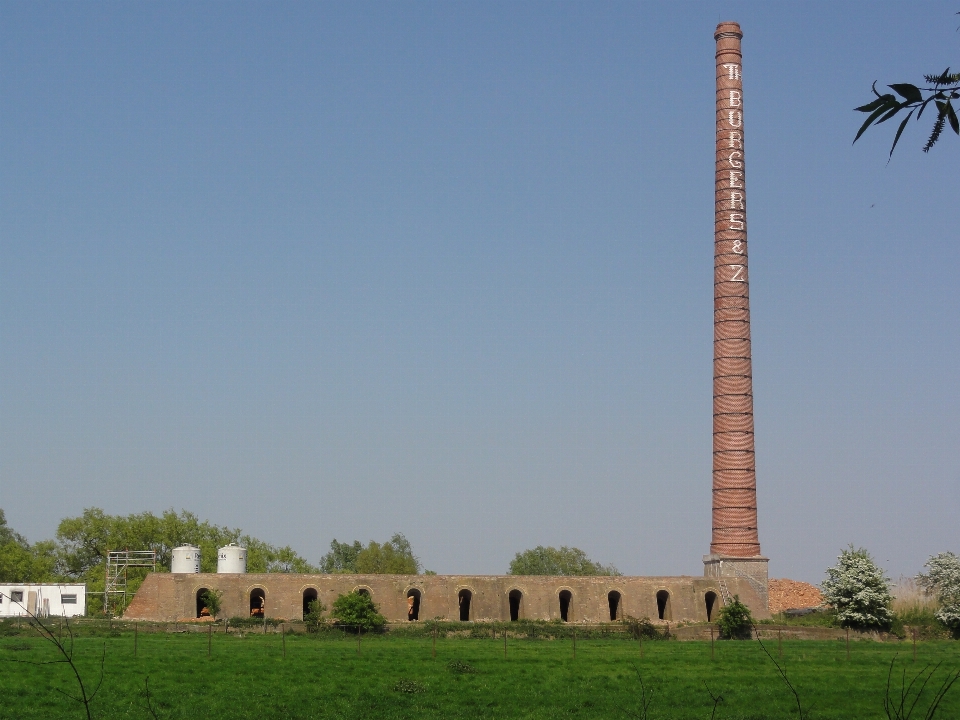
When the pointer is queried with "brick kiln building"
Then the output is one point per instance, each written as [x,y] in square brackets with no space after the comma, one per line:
[734,565]
[500,598]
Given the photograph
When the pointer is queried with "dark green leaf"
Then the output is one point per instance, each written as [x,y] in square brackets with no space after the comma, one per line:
[876,113]
[952,117]
[893,111]
[923,106]
[871,106]
[910,93]
[899,133]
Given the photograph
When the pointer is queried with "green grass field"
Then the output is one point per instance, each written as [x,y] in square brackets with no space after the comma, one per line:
[397,677]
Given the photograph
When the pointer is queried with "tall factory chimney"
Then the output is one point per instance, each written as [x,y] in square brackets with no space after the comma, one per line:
[735,544]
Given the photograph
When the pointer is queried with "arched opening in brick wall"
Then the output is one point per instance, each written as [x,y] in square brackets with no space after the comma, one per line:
[364,591]
[663,605]
[413,604]
[515,597]
[710,600]
[201,605]
[614,600]
[309,595]
[258,602]
[566,598]
[463,600]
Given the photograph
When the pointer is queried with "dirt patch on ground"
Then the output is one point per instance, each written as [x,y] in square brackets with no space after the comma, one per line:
[785,594]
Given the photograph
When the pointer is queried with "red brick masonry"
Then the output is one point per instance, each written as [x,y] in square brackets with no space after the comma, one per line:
[734,467]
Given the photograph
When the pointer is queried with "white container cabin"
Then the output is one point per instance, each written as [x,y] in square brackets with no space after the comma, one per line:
[43,599]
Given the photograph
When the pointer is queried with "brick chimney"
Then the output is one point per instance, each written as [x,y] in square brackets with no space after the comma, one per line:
[735,544]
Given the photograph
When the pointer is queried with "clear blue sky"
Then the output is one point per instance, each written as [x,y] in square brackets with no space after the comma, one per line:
[339,270]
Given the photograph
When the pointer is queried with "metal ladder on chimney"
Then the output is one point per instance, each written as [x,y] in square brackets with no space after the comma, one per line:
[724,591]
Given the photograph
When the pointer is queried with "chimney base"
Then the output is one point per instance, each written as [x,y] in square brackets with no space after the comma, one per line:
[752,569]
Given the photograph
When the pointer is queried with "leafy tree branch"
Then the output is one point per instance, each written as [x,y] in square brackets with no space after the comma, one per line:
[912,99]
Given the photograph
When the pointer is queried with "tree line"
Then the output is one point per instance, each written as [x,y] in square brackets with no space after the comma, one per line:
[396,557]
[79,550]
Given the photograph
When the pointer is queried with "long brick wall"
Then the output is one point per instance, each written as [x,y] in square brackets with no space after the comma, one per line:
[171,597]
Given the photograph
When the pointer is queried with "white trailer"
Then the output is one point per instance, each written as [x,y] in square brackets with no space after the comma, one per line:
[43,599]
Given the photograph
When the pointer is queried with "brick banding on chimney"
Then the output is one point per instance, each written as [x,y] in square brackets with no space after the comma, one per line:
[734,465]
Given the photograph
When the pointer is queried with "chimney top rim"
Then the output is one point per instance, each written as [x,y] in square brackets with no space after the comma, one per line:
[728,28]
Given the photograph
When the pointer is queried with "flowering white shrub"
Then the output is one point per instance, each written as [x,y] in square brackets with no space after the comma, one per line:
[943,580]
[858,590]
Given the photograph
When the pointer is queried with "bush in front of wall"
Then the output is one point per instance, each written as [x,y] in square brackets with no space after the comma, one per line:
[356,610]
[734,620]
[313,618]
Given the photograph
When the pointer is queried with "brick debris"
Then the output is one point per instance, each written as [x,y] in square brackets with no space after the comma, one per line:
[792,594]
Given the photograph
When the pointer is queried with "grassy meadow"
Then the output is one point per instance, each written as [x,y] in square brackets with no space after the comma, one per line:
[395,676]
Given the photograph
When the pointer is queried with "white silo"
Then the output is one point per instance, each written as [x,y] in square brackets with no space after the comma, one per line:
[186,559]
[232,559]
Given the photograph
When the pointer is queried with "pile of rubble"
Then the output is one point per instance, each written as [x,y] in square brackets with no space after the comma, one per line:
[792,594]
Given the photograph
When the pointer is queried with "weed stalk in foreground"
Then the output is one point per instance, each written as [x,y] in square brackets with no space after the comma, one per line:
[146,694]
[783,673]
[910,698]
[717,699]
[65,650]
[645,700]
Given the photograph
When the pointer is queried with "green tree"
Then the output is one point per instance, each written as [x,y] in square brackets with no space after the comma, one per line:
[357,610]
[734,620]
[265,558]
[212,600]
[394,557]
[83,543]
[314,616]
[557,561]
[342,558]
[22,562]
[941,90]
[7,533]
[943,580]
[858,590]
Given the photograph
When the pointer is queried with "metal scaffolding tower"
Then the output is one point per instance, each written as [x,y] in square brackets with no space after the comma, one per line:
[118,562]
